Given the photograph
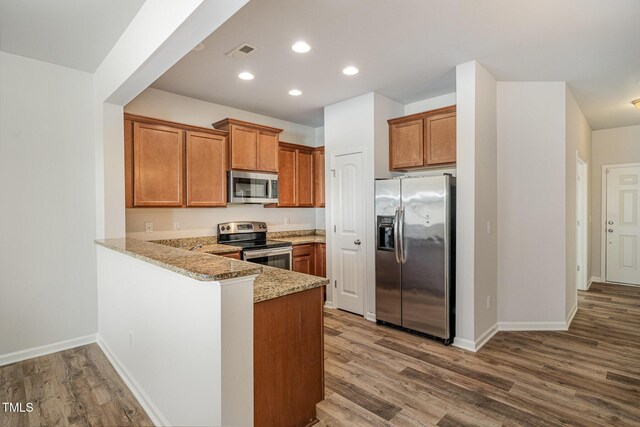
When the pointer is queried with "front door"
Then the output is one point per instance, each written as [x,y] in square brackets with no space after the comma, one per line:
[349,237]
[622,229]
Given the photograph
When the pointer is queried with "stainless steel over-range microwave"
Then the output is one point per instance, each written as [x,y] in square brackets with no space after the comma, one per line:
[252,187]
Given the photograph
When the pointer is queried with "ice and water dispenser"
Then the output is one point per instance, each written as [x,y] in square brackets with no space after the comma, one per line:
[386,237]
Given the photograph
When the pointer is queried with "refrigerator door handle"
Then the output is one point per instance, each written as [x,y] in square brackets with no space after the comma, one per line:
[395,235]
[403,256]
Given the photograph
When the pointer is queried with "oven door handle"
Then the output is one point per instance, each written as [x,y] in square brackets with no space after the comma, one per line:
[267,252]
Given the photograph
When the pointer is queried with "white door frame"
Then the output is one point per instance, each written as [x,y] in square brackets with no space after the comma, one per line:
[331,223]
[582,215]
[603,217]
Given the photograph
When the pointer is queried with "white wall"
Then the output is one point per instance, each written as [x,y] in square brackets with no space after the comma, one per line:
[531,202]
[430,104]
[476,195]
[182,109]
[47,224]
[184,347]
[578,140]
[609,146]
[486,205]
[383,110]
[202,221]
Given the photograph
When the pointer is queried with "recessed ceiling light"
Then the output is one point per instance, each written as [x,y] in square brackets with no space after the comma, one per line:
[246,75]
[350,70]
[295,92]
[301,47]
[198,47]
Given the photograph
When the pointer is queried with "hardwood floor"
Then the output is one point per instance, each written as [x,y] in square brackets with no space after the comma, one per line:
[377,376]
[589,375]
[76,387]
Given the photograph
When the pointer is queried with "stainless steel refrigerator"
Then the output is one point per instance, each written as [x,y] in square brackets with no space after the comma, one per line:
[415,254]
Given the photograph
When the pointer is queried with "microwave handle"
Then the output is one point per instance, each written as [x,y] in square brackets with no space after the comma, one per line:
[269,189]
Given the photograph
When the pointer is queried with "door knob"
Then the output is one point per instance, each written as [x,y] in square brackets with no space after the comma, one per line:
[610,230]
[357,242]
[610,222]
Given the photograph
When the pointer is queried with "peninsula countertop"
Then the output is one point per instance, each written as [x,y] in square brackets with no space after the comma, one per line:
[271,282]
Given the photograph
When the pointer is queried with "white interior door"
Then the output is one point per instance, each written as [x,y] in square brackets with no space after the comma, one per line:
[622,229]
[348,241]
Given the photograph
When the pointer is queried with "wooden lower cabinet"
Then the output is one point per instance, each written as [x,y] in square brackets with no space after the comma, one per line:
[304,259]
[310,258]
[234,255]
[288,361]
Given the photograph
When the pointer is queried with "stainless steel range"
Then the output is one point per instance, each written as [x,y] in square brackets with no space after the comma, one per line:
[252,238]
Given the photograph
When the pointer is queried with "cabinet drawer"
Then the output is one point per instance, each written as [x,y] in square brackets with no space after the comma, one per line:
[301,250]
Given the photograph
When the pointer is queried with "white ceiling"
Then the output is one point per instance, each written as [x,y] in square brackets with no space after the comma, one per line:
[73,33]
[407,50]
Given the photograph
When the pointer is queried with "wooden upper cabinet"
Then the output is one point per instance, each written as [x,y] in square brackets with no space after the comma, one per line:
[128,163]
[206,174]
[244,148]
[422,140]
[318,177]
[157,165]
[252,147]
[304,177]
[406,144]
[170,164]
[267,152]
[287,176]
[441,138]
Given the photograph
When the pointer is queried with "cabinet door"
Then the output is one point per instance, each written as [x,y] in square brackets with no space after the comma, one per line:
[158,165]
[244,148]
[287,177]
[321,260]
[406,145]
[304,178]
[318,178]
[302,264]
[441,138]
[206,169]
[233,255]
[128,164]
[267,151]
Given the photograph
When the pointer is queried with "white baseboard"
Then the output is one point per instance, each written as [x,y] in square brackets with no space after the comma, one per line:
[484,338]
[29,353]
[329,304]
[371,317]
[478,343]
[145,401]
[464,344]
[571,315]
[532,326]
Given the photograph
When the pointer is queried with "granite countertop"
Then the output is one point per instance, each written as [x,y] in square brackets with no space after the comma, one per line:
[302,240]
[217,248]
[276,282]
[205,266]
[199,266]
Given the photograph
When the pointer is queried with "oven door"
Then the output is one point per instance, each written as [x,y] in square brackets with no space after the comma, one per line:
[251,187]
[278,257]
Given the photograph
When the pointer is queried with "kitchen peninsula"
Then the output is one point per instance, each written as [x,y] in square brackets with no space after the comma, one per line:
[287,326]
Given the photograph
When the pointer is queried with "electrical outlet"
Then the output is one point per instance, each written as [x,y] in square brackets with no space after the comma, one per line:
[489,301]
[131,339]
[148,227]
[287,221]
[489,227]
[176,225]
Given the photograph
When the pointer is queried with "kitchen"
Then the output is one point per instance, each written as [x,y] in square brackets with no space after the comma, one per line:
[281,223]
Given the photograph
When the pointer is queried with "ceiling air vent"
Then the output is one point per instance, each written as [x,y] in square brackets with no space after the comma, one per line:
[241,51]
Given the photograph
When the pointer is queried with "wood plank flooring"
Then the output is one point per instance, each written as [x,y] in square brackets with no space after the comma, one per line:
[589,375]
[76,387]
[377,376]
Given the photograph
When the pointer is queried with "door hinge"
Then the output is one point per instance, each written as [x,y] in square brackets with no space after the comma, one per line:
[335,283]
[334,228]
[578,268]
[333,172]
